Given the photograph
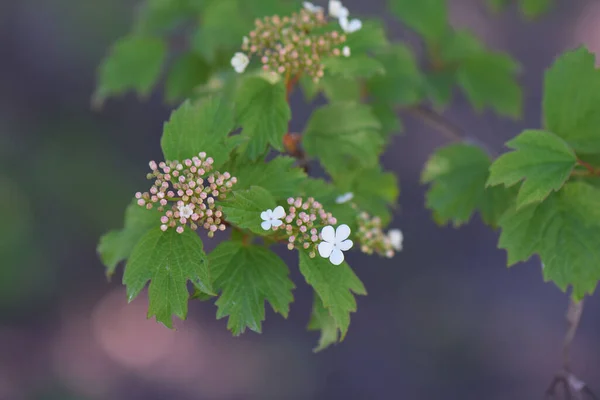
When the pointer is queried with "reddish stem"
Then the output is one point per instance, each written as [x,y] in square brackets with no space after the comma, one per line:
[589,167]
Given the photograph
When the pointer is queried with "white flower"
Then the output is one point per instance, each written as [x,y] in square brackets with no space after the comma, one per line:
[346,197]
[239,62]
[346,51]
[185,211]
[245,40]
[350,26]
[337,9]
[396,237]
[272,218]
[334,243]
[311,7]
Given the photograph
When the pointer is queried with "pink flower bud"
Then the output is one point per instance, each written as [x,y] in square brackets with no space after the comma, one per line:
[202,155]
[180,229]
[141,202]
[163,202]
[138,195]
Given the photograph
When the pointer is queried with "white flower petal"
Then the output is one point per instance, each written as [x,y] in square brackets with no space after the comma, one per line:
[264,216]
[278,212]
[344,198]
[337,9]
[266,225]
[341,233]
[396,238]
[325,249]
[336,257]
[276,222]
[346,51]
[239,62]
[345,245]
[355,25]
[328,234]
[311,7]
[350,26]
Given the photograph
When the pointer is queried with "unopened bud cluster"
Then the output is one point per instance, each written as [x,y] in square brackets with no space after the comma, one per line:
[372,238]
[288,45]
[186,192]
[303,222]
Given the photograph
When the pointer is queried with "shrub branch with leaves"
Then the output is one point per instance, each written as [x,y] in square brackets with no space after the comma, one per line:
[231,164]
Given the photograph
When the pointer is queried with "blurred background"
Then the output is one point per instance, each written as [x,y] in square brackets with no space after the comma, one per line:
[444,319]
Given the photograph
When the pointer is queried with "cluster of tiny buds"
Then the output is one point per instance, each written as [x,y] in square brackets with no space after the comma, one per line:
[186,192]
[300,224]
[288,45]
[372,238]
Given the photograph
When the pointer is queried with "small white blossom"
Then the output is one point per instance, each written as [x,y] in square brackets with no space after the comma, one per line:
[245,40]
[185,211]
[334,243]
[272,218]
[337,9]
[350,26]
[312,8]
[346,197]
[239,62]
[396,237]
[346,51]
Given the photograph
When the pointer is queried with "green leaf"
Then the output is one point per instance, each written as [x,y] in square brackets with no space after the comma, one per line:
[167,259]
[335,285]
[355,66]
[263,112]
[457,174]
[496,200]
[134,63]
[370,37]
[116,246]
[402,82]
[534,8]
[278,176]
[571,111]
[321,320]
[341,131]
[439,86]
[245,207]
[521,232]
[570,249]
[458,46]
[489,79]
[389,119]
[222,26]
[194,128]
[160,16]
[187,73]
[429,18]
[375,191]
[339,88]
[543,160]
[564,230]
[247,276]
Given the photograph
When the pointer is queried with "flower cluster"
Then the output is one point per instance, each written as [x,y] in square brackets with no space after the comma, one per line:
[374,240]
[186,193]
[290,46]
[300,224]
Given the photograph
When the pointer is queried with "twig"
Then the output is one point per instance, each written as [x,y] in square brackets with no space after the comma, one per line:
[573,387]
[573,317]
[446,127]
[437,121]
